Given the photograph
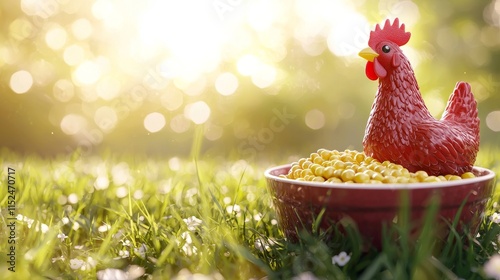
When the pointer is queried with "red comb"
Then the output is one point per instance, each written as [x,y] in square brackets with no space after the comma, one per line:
[393,33]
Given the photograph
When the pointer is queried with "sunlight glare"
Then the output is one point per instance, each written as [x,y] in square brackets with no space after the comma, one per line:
[247,64]
[21,81]
[349,33]
[226,83]
[180,123]
[264,76]
[198,112]
[87,73]
[73,55]
[172,99]
[72,124]
[63,90]
[82,29]
[315,119]
[493,121]
[191,35]
[154,122]
[56,37]
[106,118]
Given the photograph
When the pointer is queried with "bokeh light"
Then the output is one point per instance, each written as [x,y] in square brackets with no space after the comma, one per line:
[493,121]
[21,81]
[154,122]
[315,119]
[198,112]
[72,124]
[226,83]
[87,73]
[56,37]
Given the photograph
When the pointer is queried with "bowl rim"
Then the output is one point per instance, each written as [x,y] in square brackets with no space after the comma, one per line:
[393,186]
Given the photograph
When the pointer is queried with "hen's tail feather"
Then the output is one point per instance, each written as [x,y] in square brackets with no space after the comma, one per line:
[462,107]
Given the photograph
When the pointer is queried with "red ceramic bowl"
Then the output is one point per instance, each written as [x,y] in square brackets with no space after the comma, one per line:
[297,203]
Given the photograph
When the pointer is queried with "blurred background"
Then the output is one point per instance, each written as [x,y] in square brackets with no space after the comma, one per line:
[225,77]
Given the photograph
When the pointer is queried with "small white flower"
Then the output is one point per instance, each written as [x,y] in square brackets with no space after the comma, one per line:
[192,223]
[263,244]
[341,259]
[75,226]
[495,217]
[306,276]
[41,227]
[62,236]
[492,267]
[235,208]
[188,248]
[257,217]
[104,228]
[91,263]
[141,250]
[61,258]
[76,264]
[111,274]
[65,220]
[124,253]
[126,242]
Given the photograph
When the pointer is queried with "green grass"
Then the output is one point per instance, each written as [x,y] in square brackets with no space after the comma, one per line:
[141,222]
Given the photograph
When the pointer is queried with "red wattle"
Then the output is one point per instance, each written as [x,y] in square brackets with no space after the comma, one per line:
[370,71]
[379,69]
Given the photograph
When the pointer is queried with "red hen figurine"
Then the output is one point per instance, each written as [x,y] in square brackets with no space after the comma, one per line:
[400,128]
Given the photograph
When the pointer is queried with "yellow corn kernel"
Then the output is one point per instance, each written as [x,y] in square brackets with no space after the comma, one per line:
[318,160]
[361,178]
[389,180]
[412,180]
[431,179]
[297,174]
[467,175]
[325,154]
[305,172]
[402,180]
[421,175]
[386,163]
[337,164]
[396,173]
[376,182]
[453,177]
[314,155]
[328,172]
[377,176]
[347,175]
[359,157]
[318,179]
[362,169]
[314,166]
[295,167]
[338,173]
[319,171]
[309,177]
[306,164]
[334,180]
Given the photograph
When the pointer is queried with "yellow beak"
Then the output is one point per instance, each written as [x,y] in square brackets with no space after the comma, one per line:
[368,54]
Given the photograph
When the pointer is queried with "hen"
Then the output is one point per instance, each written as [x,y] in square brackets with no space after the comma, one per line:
[400,128]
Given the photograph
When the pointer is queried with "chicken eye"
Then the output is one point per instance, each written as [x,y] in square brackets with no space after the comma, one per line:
[386,49]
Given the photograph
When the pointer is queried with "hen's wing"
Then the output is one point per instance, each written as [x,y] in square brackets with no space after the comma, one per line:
[443,148]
